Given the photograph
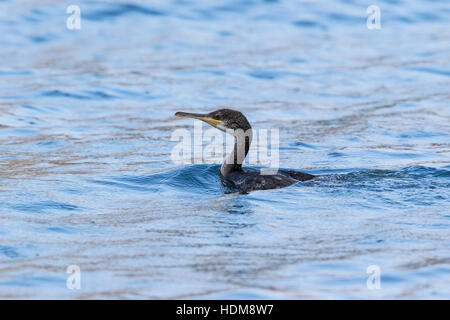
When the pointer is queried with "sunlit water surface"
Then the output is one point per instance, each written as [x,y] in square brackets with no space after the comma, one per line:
[86,176]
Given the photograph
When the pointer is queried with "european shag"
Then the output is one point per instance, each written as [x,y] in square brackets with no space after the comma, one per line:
[236,124]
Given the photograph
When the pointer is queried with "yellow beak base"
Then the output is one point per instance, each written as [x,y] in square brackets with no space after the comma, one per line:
[202,117]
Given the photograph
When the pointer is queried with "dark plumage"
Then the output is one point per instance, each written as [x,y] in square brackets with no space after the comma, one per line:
[235,123]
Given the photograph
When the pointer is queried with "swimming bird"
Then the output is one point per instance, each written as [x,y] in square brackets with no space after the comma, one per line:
[236,124]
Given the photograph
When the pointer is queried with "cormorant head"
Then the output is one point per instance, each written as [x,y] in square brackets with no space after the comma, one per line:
[223,119]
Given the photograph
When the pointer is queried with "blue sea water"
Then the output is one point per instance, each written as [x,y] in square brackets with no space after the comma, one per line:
[86,176]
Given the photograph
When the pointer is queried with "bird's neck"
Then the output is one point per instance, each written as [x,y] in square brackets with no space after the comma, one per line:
[233,161]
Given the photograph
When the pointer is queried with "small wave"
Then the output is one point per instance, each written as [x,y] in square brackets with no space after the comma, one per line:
[200,178]
[441,72]
[109,183]
[308,24]
[44,207]
[417,177]
[40,38]
[195,177]
[33,281]
[407,172]
[62,94]
[15,72]
[341,17]
[303,145]
[9,252]
[88,95]
[271,75]
[116,10]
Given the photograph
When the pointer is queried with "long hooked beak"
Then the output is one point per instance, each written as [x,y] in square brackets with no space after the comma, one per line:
[199,116]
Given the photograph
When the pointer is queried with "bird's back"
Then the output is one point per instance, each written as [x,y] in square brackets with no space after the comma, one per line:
[254,180]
